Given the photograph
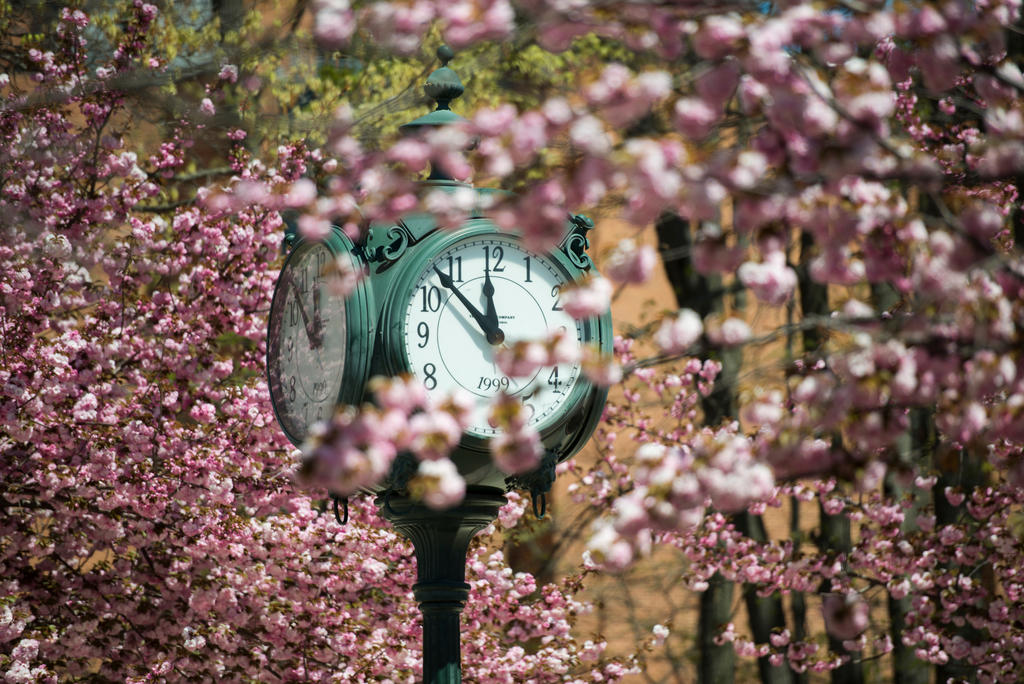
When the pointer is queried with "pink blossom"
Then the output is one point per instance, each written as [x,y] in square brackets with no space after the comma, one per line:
[85,407]
[592,297]
[521,359]
[732,332]
[600,369]
[608,549]
[314,227]
[438,484]
[694,117]
[334,23]
[433,434]
[203,412]
[404,394]
[630,263]
[983,221]
[676,335]
[846,615]
[772,281]
[517,452]
[939,63]
[717,85]
[471,22]
[415,154]
[229,73]
[718,36]
[302,193]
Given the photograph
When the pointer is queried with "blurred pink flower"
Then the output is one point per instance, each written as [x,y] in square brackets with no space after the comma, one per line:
[678,334]
[846,615]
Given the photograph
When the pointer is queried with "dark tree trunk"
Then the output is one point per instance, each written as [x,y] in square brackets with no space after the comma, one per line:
[1015,53]
[704,295]
[906,667]
[765,612]
[798,601]
[834,533]
[716,663]
[957,469]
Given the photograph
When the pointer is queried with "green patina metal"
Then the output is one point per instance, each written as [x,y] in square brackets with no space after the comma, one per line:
[361,320]
[443,86]
[392,256]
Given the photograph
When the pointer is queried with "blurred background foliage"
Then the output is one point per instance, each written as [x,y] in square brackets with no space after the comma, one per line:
[288,88]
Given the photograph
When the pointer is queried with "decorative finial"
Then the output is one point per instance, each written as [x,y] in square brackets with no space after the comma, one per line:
[445,54]
[443,86]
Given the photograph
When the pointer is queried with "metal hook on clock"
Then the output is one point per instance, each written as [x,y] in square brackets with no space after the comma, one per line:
[538,482]
[389,508]
[344,502]
[543,505]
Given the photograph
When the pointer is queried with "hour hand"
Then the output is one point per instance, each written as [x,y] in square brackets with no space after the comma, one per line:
[313,327]
[491,331]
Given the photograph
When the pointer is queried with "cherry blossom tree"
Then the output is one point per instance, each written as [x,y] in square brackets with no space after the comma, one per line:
[852,170]
[860,162]
[151,525]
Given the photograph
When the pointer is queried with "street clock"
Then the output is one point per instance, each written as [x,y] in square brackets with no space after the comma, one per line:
[460,295]
[437,302]
[319,339]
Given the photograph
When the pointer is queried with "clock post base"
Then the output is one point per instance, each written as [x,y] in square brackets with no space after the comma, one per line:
[441,540]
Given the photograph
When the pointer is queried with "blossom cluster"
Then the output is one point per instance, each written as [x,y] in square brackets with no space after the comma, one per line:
[355,449]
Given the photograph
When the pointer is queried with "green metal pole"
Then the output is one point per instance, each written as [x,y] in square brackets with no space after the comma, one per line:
[441,540]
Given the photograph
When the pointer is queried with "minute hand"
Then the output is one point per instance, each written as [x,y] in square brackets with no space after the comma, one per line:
[491,314]
[490,329]
[314,328]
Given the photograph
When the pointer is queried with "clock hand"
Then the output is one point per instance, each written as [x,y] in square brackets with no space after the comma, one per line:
[491,330]
[312,327]
[318,323]
[492,315]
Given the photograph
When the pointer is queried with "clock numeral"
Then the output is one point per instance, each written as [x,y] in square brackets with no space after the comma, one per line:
[423,330]
[554,381]
[495,383]
[291,388]
[455,268]
[429,381]
[556,294]
[321,260]
[293,313]
[527,260]
[530,411]
[431,298]
[498,253]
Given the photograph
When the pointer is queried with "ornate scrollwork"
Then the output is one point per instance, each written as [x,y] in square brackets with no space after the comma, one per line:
[576,243]
[399,239]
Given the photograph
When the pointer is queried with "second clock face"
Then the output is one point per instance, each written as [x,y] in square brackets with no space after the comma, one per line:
[450,329]
[306,342]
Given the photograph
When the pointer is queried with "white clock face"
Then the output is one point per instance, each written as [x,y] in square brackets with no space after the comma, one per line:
[450,343]
[306,342]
